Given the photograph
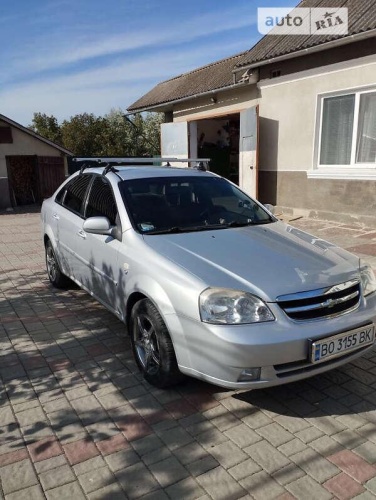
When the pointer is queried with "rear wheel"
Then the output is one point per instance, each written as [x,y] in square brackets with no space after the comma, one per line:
[57,278]
[152,345]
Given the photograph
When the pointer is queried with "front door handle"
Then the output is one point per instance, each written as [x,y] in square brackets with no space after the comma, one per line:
[82,234]
[55,216]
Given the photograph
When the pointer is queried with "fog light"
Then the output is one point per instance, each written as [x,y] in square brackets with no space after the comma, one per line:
[250,374]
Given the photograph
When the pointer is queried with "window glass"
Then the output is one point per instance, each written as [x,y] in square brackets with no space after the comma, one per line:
[75,193]
[189,203]
[101,202]
[337,130]
[366,144]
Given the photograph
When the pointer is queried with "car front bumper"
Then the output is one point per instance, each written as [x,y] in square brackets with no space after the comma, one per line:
[281,349]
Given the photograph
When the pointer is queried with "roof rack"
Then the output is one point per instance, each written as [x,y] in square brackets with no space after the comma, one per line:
[108,163]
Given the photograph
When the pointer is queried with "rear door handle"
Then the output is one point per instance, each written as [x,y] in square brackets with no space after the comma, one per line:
[82,234]
[55,216]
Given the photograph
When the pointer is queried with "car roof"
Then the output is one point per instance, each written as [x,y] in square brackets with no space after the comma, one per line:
[145,172]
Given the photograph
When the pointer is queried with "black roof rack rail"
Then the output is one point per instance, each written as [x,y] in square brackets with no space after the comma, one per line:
[202,163]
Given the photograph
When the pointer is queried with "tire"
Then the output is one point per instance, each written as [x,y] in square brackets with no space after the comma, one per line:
[152,346]
[55,275]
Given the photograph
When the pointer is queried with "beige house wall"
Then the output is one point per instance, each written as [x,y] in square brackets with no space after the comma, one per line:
[227,102]
[23,144]
[288,108]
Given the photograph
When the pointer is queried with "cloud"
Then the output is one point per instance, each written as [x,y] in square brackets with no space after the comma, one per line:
[45,54]
[115,84]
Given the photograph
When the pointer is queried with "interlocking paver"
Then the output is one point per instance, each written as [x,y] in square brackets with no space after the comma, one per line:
[220,485]
[306,487]
[17,476]
[96,479]
[343,487]
[187,489]
[66,492]
[315,465]
[122,459]
[353,465]
[72,400]
[168,471]
[136,480]
[79,451]
[267,456]
[261,486]
[32,493]
[228,454]
[56,477]
[45,448]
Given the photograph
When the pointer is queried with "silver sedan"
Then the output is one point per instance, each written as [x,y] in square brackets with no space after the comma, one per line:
[208,282]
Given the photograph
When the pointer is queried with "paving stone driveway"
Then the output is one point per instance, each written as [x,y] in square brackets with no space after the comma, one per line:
[77,421]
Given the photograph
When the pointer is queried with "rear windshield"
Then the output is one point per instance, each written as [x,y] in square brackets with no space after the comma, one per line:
[165,204]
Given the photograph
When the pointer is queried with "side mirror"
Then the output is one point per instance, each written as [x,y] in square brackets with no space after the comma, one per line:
[98,225]
[269,207]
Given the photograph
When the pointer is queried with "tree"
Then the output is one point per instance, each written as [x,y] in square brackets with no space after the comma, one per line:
[85,134]
[111,135]
[47,126]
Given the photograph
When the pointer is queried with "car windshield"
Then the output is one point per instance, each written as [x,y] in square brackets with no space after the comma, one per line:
[191,203]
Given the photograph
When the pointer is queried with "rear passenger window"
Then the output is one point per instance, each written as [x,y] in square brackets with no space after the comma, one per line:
[75,193]
[101,202]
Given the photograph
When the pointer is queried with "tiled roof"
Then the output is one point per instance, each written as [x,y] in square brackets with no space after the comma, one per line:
[362,18]
[211,77]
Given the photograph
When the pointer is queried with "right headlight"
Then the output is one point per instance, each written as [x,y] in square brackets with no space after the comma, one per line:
[368,279]
[232,307]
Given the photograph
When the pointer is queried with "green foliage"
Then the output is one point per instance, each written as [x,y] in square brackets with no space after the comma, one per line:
[47,126]
[111,135]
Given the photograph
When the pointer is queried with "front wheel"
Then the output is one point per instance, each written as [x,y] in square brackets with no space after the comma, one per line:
[152,346]
[55,275]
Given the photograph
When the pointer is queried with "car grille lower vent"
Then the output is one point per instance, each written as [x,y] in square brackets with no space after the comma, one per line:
[322,303]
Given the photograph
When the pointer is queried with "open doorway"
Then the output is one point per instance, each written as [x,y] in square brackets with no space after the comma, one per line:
[230,141]
[218,139]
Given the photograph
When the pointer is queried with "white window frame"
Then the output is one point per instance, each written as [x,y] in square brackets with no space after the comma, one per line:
[354,170]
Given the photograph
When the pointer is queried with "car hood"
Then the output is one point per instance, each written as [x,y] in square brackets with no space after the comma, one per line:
[268,260]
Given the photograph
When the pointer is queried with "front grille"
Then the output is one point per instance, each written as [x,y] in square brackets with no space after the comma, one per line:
[316,304]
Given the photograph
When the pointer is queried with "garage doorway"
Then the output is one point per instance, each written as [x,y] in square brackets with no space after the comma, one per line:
[218,139]
[231,142]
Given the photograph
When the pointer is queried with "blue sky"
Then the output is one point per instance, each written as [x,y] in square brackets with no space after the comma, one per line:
[64,57]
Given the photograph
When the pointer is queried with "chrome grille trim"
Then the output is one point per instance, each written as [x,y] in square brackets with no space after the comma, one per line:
[318,292]
[322,303]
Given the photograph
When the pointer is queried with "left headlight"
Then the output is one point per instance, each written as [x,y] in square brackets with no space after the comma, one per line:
[232,307]
[368,279]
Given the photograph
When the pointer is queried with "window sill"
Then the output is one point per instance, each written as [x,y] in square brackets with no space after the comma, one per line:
[361,174]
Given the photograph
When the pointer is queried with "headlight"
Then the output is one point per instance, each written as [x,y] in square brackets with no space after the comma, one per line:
[232,307]
[368,279]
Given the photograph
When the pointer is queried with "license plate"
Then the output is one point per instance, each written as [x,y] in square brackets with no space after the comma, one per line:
[338,345]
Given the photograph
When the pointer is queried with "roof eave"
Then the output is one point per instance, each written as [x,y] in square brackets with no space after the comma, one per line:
[169,104]
[309,50]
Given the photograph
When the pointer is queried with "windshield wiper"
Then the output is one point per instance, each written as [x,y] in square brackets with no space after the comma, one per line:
[188,229]
[236,223]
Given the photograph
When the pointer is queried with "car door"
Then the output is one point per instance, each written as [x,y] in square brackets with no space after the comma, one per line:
[68,214]
[98,254]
